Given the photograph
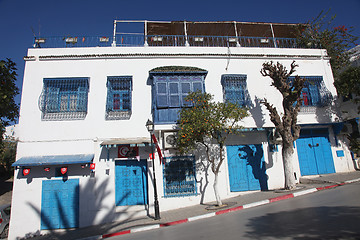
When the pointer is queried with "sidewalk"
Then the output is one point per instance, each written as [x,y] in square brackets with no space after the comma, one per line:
[168,218]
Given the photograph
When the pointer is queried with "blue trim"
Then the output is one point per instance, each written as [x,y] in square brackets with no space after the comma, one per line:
[54,160]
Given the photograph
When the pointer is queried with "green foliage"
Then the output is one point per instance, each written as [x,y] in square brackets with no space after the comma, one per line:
[9,110]
[348,83]
[206,120]
[335,39]
[8,154]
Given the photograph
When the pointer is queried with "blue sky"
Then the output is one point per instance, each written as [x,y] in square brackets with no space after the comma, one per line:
[19,18]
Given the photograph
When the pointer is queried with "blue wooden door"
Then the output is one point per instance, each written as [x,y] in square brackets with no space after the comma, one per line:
[246,167]
[60,204]
[314,152]
[130,182]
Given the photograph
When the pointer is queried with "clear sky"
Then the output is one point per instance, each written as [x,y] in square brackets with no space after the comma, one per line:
[20,18]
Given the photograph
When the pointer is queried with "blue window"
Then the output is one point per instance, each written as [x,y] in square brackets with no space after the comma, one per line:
[169,92]
[235,89]
[118,104]
[314,92]
[64,98]
[179,176]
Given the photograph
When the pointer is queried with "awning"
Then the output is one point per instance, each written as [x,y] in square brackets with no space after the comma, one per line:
[141,141]
[53,160]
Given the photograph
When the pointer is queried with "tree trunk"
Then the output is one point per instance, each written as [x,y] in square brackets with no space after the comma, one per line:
[216,191]
[288,156]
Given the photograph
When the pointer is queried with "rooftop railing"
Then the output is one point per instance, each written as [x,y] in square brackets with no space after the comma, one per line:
[133,40]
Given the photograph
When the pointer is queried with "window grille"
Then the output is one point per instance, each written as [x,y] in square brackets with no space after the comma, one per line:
[169,93]
[118,104]
[64,98]
[314,93]
[235,89]
[179,176]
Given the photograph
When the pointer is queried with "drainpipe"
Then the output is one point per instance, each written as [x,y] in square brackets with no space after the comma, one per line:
[236,34]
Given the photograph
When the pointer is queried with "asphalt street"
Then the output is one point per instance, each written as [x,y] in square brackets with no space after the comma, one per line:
[330,214]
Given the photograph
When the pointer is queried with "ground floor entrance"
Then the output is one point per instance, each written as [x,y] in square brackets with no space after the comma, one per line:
[60,204]
[131,182]
[314,152]
[246,167]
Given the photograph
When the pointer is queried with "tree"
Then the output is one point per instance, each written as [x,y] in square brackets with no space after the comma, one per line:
[206,123]
[9,110]
[348,84]
[286,125]
[8,154]
[335,39]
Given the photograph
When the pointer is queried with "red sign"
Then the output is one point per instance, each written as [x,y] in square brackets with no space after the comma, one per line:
[63,170]
[92,166]
[46,169]
[26,171]
[125,151]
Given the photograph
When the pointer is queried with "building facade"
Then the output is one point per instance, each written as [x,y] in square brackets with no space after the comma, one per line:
[84,154]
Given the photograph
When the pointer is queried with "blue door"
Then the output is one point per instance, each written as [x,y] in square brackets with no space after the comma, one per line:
[60,204]
[130,182]
[314,152]
[246,168]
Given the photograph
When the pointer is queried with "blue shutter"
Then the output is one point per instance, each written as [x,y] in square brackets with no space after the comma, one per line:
[314,93]
[174,94]
[162,96]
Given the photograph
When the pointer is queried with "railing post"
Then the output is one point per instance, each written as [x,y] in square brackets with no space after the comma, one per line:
[114,37]
[236,34]
[186,37]
[273,35]
[145,34]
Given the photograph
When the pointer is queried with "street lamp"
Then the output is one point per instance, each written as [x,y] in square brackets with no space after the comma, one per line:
[150,127]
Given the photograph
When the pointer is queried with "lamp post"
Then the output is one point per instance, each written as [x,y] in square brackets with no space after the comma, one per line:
[150,127]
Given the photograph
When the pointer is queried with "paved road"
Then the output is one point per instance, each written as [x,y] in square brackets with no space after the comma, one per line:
[329,214]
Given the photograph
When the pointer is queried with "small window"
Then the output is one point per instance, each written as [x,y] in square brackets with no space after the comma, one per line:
[235,89]
[179,176]
[64,98]
[118,104]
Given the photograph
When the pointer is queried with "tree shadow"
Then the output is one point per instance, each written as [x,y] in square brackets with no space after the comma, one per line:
[254,157]
[325,113]
[257,113]
[307,223]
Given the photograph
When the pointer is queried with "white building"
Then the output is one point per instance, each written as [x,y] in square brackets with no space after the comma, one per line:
[85,104]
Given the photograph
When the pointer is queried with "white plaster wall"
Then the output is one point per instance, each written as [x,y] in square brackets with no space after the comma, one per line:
[97,205]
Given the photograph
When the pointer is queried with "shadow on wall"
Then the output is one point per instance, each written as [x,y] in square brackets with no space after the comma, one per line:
[257,113]
[328,112]
[307,223]
[67,214]
[254,157]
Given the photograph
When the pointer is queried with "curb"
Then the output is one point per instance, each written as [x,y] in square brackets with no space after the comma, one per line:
[212,214]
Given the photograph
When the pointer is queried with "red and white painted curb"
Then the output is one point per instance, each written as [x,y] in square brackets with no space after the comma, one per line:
[212,214]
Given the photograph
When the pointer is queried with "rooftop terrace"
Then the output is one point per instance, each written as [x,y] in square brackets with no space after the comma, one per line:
[177,34]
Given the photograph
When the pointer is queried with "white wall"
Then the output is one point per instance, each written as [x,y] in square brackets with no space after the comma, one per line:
[39,137]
